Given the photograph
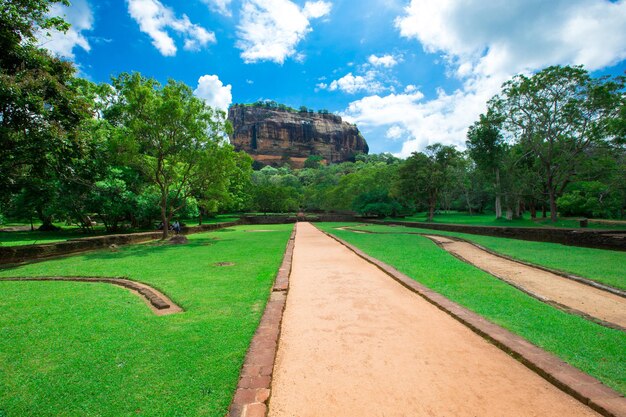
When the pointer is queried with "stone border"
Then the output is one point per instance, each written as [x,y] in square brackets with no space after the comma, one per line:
[156,300]
[11,256]
[579,385]
[253,389]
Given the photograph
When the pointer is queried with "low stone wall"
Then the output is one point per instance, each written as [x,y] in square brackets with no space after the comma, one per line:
[17,254]
[602,239]
[286,219]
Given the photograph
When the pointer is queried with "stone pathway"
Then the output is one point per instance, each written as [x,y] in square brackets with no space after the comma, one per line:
[354,342]
[566,293]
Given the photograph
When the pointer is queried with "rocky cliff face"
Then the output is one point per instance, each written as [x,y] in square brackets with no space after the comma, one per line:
[274,136]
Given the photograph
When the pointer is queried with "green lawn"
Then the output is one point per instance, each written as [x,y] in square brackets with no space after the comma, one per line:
[590,347]
[83,349]
[601,265]
[36,237]
[488,219]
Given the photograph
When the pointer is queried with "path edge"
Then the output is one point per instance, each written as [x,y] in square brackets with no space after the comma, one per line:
[553,303]
[253,389]
[564,274]
[572,381]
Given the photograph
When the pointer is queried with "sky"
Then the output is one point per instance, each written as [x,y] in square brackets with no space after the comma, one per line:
[409,73]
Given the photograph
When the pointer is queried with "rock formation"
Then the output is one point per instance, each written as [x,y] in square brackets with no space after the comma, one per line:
[276,136]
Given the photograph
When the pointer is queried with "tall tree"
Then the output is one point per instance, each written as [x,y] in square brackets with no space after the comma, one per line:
[423,176]
[557,114]
[486,146]
[170,134]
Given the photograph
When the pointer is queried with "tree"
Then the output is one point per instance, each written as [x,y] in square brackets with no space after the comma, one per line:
[423,176]
[170,134]
[556,115]
[486,146]
[313,161]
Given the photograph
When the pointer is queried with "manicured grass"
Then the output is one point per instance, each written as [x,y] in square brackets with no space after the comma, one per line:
[83,349]
[36,237]
[590,347]
[488,219]
[601,265]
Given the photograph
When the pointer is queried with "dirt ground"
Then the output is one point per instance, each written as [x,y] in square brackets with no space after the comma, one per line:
[354,342]
[589,300]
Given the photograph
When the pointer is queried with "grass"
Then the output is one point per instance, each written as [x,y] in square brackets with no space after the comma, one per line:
[488,219]
[590,347]
[69,349]
[27,237]
[601,265]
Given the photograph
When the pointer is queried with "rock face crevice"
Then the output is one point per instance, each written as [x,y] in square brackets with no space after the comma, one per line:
[274,137]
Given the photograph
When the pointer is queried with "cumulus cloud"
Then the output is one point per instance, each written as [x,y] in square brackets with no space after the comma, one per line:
[387,61]
[352,84]
[484,44]
[220,6]
[155,19]
[395,132]
[271,29]
[214,92]
[80,16]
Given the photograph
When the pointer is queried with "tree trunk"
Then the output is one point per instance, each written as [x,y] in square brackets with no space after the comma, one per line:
[432,201]
[467,200]
[543,210]
[164,218]
[552,205]
[498,196]
[533,210]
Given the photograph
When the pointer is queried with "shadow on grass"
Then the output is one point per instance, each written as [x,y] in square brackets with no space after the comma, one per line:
[161,248]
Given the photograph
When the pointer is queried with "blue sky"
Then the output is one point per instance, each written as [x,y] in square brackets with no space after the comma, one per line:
[409,73]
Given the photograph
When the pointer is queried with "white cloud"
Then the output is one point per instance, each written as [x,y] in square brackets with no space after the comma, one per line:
[214,92]
[154,19]
[352,84]
[80,16]
[484,44]
[386,61]
[395,132]
[317,9]
[271,29]
[220,6]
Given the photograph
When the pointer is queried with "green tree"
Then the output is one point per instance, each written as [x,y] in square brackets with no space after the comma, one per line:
[424,176]
[556,115]
[486,146]
[170,134]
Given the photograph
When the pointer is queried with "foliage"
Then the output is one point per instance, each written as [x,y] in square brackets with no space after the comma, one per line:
[589,199]
[173,138]
[555,115]
[376,203]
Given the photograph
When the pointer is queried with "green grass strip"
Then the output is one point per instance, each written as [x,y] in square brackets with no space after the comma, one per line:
[594,349]
[489,219]
[601,265]
[85,349]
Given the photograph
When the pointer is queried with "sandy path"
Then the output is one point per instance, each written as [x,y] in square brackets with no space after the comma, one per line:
[356,343]
[592,301]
